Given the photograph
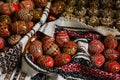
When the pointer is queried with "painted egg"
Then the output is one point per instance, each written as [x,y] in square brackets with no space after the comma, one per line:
[6,19]
[61,38]
[111,54]
[112,66]
[80,12]
[98,60]
[13,39]
[24,14]
[8,8]
[110,41]
[93,11]
[37,13]
[40,3]
[96,46]
[45,62]
[28,4]
[2,43]
[94,21]
[107,21]
[57,8]
[107,12]
[70,48]
[71,2]
[62,59]
[4,31]
[21,27]
[36,47]
[50,48]
[118,24]
[47,39]
[1,2]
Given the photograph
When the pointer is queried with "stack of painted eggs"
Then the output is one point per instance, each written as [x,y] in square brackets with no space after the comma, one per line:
[17,17]
[106,55]
[48,52]
[91,12]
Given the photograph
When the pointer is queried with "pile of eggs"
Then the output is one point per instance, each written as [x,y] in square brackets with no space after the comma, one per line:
[105,55]
[17,17]
[48,52]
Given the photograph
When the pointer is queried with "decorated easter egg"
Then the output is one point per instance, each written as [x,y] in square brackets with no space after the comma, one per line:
[8,8]
[118,24]
[61,38]
[98,60]
[45,62]
[24,14]
[62,59]
[93,11]
[107,21]
[70,48]
[6,19]
[110,41]
[4,30]
[112,66]
[96,46]
[37,13]
[40,3]
[111,54]
[2,43]
[57,8]
[28,4]
[51,48]
[21,27]
[94,21]
[36,47]
[13,39]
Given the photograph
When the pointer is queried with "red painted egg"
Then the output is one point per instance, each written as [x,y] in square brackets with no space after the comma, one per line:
[2,43]
[61,38]
[50,48]
[4,31]
[45,62]
[8,8]
[62,59]
[96,46]
[28,4]
[110,41]
[98,60]
[36,47]
[112,66]
[40,3]
[70,48]
[111,54]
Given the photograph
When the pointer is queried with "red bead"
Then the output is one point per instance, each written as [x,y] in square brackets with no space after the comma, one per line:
[45,62]
[62,59]
[111,54]
[112,66]
[61,38]
[96,46]
[98,60]
[70,48]
[110,41]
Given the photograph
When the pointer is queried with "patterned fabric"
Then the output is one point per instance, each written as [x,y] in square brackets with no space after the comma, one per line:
[10,58]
